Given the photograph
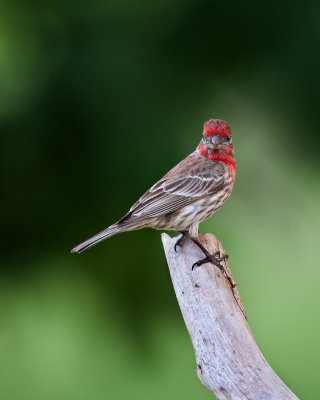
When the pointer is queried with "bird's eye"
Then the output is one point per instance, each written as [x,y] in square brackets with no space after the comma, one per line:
[228,138]
[205,138]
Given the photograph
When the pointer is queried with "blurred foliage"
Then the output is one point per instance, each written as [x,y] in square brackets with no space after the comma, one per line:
[98,100]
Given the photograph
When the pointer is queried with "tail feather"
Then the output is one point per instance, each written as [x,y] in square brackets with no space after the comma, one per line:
[99,237]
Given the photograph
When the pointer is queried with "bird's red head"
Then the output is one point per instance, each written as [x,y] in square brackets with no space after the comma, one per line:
[216,143]
[216,127]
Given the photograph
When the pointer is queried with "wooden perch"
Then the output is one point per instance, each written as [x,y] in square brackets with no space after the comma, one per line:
[229,362]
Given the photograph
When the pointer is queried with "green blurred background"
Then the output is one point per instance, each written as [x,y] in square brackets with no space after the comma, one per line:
[97,101]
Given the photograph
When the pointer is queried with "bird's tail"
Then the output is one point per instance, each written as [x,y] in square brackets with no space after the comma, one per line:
[106,233]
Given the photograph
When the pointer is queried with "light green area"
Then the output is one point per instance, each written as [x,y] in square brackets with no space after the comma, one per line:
[58,342]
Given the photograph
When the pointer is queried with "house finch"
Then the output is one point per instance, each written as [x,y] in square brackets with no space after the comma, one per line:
[188,194]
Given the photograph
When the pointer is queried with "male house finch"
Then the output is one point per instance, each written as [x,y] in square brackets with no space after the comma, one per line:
[188,194]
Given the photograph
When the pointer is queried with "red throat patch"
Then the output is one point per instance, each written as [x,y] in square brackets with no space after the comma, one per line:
[215,127]
[225,157]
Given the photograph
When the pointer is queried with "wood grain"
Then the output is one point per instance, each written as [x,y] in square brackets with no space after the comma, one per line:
[229,362]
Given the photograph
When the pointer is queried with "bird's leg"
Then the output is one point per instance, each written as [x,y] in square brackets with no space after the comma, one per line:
[181,240]
[214,258]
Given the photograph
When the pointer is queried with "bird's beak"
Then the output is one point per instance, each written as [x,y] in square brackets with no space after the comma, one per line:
[215,143]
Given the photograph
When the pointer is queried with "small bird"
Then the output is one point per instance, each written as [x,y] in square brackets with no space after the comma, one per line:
[187,195]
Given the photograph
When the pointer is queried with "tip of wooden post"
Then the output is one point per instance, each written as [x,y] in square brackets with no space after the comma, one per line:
[229,361]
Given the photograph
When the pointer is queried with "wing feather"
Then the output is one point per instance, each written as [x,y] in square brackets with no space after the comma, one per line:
[174,192]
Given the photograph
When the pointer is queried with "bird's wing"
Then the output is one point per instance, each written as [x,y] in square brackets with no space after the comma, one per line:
[175,191]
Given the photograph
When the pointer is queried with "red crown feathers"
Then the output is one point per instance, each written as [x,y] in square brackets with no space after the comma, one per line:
[215,127]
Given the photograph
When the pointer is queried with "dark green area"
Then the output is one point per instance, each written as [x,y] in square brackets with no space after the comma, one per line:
[97,101]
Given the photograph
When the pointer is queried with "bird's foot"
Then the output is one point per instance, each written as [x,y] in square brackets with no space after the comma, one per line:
[181,240]
[214,258]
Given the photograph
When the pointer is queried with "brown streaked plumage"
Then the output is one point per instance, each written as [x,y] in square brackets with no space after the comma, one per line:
[188,194]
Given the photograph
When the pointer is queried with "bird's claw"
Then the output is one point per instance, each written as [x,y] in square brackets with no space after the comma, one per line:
[181,240]
[214,258]
[178,244]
